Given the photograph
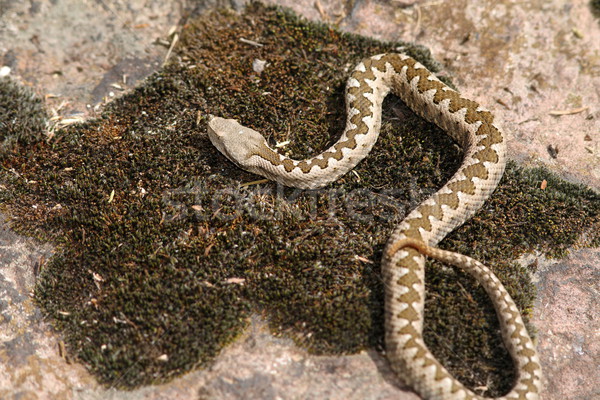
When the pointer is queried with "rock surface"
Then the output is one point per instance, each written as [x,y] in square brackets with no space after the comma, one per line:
[524,60]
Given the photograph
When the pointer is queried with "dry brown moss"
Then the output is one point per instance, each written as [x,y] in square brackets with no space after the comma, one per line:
[162,254]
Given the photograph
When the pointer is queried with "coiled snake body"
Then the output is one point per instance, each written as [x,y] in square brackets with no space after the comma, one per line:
[403,259]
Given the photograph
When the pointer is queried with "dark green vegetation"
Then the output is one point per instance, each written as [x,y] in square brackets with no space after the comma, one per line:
[595,6]
[162,255]
[22,116]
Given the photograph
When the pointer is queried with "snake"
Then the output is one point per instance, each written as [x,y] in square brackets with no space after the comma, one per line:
[403,261]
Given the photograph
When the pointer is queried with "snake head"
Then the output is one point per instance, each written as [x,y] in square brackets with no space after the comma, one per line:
[233,140]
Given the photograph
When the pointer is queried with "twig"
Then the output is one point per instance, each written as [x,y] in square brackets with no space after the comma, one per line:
[568,112]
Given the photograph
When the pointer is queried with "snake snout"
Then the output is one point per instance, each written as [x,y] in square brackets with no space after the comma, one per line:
[234,140]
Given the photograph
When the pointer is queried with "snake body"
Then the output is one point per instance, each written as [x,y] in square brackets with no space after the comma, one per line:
[403,262]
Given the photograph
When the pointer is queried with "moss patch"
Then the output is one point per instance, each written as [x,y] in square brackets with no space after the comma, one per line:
[22,116]
[162,253]
[595,6]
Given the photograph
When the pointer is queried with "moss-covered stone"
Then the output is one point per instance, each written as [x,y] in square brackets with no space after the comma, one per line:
[22,115]
[163,252]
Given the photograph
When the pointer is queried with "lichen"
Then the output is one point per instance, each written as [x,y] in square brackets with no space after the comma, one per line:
[162,253]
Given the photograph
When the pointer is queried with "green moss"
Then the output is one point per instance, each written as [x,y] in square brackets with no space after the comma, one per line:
[595,6]
[162,254]
[22,116]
